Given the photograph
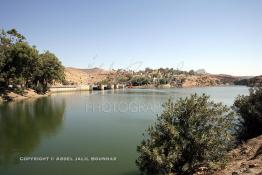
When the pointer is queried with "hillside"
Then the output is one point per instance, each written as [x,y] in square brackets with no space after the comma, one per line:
[153,76]
[196,81]
[255,81]
[85,76]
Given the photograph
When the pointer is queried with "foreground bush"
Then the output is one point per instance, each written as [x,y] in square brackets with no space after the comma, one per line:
[192,133]
[249,109]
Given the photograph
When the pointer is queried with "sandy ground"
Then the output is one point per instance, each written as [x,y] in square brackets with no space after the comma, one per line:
[28,93]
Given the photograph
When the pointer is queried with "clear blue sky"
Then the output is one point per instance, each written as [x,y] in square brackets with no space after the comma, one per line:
[221,36]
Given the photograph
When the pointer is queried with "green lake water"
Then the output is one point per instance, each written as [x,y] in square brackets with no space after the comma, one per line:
[98,124]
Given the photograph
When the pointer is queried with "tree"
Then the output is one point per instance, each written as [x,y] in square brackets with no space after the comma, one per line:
[10,37]
[17,57]
[21,63]
[2,64]
[50,70]
[121,79]
[139,80]
[164,81]
[249,109]
[191,72]
[191,133]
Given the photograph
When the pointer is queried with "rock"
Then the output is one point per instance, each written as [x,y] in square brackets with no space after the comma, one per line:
[252,165]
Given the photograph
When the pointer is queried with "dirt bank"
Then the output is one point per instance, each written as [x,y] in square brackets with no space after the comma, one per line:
[245,160]
[12,96]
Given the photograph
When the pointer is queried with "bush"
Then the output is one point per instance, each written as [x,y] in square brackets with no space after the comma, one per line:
[249,109]
[191,72]
[163,81]
[192,133]
[138,81]
[19,91]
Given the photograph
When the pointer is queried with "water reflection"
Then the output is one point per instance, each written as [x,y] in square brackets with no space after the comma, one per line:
[23,124]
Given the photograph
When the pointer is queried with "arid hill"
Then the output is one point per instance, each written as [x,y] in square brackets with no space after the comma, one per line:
[200,81]
[180,79]
[86,76]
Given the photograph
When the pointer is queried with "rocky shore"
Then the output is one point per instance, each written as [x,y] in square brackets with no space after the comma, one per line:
[246,159]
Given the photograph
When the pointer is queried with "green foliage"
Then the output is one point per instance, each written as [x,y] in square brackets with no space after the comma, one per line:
[139,80]
[148,76]
[19,91]
[164,81]
[252,82]
[49,70]
[249,109]
[21,63]
[23,60]
[191,72]
[190,133]
[10,37]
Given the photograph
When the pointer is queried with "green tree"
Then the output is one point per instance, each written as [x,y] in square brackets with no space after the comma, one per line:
[18,58]
[164,81]
[191,72]
[139,80]
[249,109]
[24,62]
[2,65]
[50,70]
[21,63]
[191,133]
[10,37]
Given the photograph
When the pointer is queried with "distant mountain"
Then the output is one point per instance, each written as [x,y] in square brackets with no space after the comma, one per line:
[226,79]
[201,71]
[230,79]
[254,81]
[91,70]
[95,70]
[246,77]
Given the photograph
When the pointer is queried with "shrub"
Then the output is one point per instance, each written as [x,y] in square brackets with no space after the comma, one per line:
[191,72]
[138,81]
[163,81]
[19,90]
[189,134]
[249,109]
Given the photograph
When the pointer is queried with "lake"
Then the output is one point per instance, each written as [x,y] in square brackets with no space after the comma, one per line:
[85,133]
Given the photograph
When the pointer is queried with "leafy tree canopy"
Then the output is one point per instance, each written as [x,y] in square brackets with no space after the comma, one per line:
[21,63]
